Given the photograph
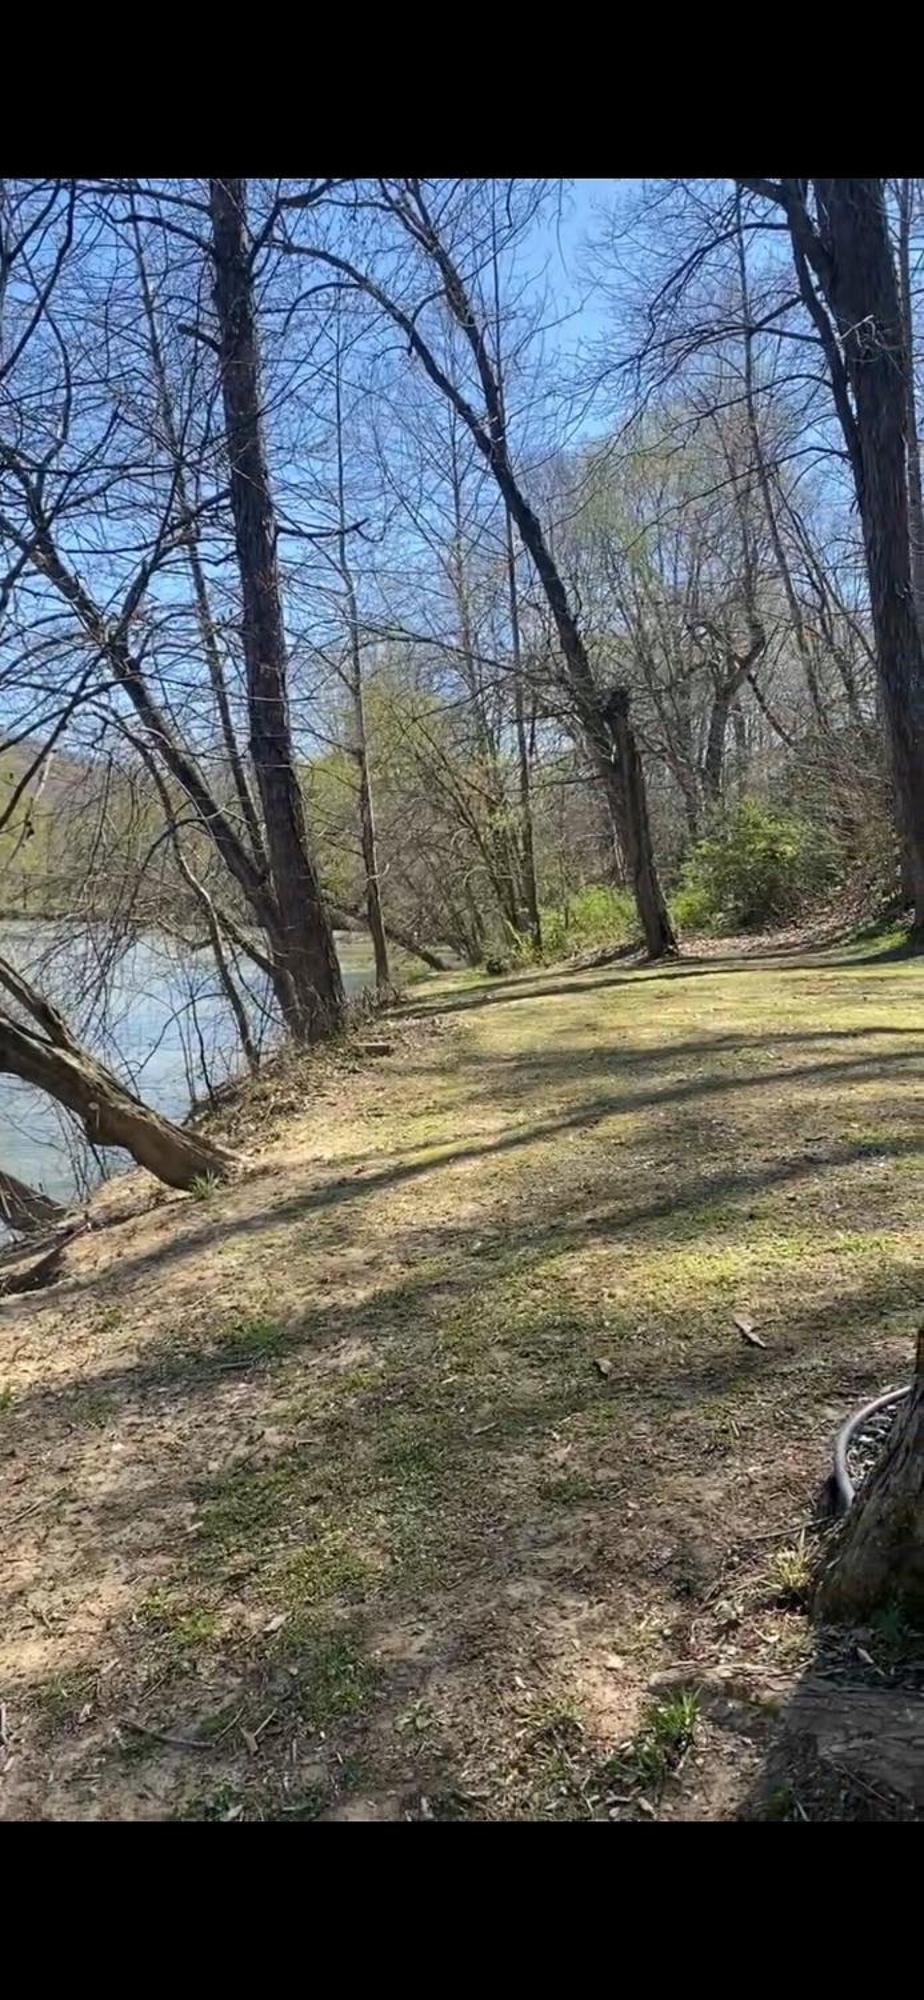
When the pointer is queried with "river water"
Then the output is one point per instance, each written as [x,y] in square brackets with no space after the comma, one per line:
[157,1016]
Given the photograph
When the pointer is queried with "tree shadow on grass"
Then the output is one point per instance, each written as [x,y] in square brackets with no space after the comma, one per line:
[465,1533]
[197,1366]
[446,1483]
[507,992]
[346,1190]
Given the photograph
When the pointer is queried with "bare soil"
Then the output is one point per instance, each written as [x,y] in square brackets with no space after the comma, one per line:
[421,1471]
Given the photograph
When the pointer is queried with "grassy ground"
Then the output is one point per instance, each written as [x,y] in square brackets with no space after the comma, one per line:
[394,1479]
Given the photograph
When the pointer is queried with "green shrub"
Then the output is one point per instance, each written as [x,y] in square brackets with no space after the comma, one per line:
[757,866]
[692,906]
[596,916]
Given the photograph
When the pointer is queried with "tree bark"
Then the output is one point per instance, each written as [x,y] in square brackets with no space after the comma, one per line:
[110,1115]
[880,1558]
[305,942]
[864,297]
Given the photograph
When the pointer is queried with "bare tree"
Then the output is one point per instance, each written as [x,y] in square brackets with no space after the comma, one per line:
[405,207]
[304,939]
[847,281]
[48,487]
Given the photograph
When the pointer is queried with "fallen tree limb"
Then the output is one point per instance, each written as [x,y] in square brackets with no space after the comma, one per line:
[23,1208]
[109,1113]
[356,920]
[34,1277]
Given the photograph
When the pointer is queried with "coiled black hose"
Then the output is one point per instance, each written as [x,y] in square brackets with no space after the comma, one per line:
[845,1492]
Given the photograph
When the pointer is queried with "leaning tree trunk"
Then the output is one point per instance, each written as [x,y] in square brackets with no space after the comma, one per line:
[110,1115]
[880,1558]
[527,841]
[305,942]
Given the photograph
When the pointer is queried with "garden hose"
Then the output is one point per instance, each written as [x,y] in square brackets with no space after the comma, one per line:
[845,1492]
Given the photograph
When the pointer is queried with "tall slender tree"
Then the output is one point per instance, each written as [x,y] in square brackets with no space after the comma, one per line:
[305,940]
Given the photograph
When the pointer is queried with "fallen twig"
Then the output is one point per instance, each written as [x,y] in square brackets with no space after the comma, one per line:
[180,1742]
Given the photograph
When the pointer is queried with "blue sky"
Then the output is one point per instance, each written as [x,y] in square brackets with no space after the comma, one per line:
[555,253]
[575,314]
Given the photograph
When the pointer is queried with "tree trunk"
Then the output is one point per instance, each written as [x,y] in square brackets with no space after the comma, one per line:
[367,834]
[527,856]
[498,849]
[110,1115]
[726,689]
[635,831]
[305,942]
[204,618]
[880,1559]
[23,1208]
[530,889]
[906,191]
[714,760]
[858,276]
[374,911]
[614,755]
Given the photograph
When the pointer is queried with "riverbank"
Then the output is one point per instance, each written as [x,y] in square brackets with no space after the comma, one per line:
[402,1477]
[157,1013]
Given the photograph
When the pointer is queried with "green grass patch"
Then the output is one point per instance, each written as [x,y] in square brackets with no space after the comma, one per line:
[334,1678]
[186,1626]
[664,1737]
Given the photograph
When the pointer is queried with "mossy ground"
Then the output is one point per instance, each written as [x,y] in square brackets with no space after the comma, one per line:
[391,1475]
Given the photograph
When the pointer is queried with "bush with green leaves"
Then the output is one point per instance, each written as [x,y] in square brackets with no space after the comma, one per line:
[759,865]
[593,917]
